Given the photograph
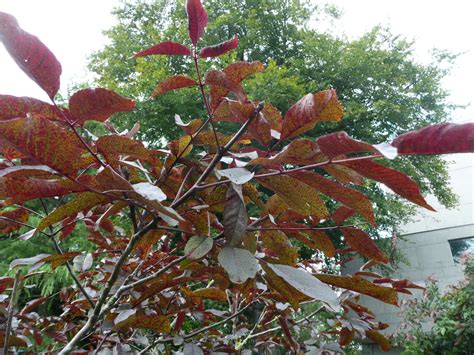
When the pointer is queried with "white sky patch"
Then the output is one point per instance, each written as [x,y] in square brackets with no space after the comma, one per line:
[73,30]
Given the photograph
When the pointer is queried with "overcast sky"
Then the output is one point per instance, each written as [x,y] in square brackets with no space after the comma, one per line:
[73,29]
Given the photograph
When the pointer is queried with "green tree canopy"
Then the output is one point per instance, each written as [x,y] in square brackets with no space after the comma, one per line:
[384,90]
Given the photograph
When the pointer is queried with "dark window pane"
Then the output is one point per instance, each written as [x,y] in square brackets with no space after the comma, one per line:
[461,246]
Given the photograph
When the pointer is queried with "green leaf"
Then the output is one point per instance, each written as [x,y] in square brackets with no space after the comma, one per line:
[198,247]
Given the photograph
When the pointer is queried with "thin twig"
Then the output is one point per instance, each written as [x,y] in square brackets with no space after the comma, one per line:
[299,228]
[181,187]
[11,308]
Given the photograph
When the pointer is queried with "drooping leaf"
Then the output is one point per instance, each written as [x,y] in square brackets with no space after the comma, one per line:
[378,338]
[236,72]
[397,181]
[235,216]
[445,138]
[97,105]
[211,293]
[350,197]
[197,19]
[156,323]
[173,83]
[14,340]
[239,264]
[164,48]
[299,196]
[362,243]
[12,107]
[59,259]
[34,260]
[30,54]
[238,176]
[345,336]
[358,284]
[8,220]
[114,145]
[44,141]
[312,108]
[277,283]
[219,49]
[220,78]
[341,214]
[307,284]
[278,243]
[19,190]
[322,242]
[82,201]
[198,247]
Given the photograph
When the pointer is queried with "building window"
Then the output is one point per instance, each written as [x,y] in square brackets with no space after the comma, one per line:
[461,246]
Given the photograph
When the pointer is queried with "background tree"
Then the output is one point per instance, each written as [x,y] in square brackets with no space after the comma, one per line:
[384,90]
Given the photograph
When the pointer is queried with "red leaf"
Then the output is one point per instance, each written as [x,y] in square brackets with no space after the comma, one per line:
[220,78]
[236,72]
[395,180]
[197,17]
[341,214]
[219,49]
[44,141]
[350,197]
[97,104]
[362,243]
[30,54]
[164,48]
[380,339]
[8,225]
[173,83]
[303,115]
[13,107]
[443,138]
[339,143]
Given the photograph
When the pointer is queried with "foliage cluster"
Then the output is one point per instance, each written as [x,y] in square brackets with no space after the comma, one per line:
[221,215]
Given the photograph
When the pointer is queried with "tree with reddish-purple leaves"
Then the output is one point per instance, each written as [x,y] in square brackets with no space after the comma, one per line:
[187,240]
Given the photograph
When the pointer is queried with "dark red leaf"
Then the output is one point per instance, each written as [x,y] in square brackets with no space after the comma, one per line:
[30,54]
[362,243]
[443,138]
[164,48]
[312,108]
[341,214]
[339,143]
[173,83]
[395,180]
[12,107]
[197,19]
[97,105]
[219,49]
[8,220]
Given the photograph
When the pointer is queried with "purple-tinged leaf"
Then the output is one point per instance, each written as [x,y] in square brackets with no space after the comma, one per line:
[197,19]
[164,48]
[173,83]
[97,105]
[12,107]
[235,216]
[31,55]
[219,49]
[446,138]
